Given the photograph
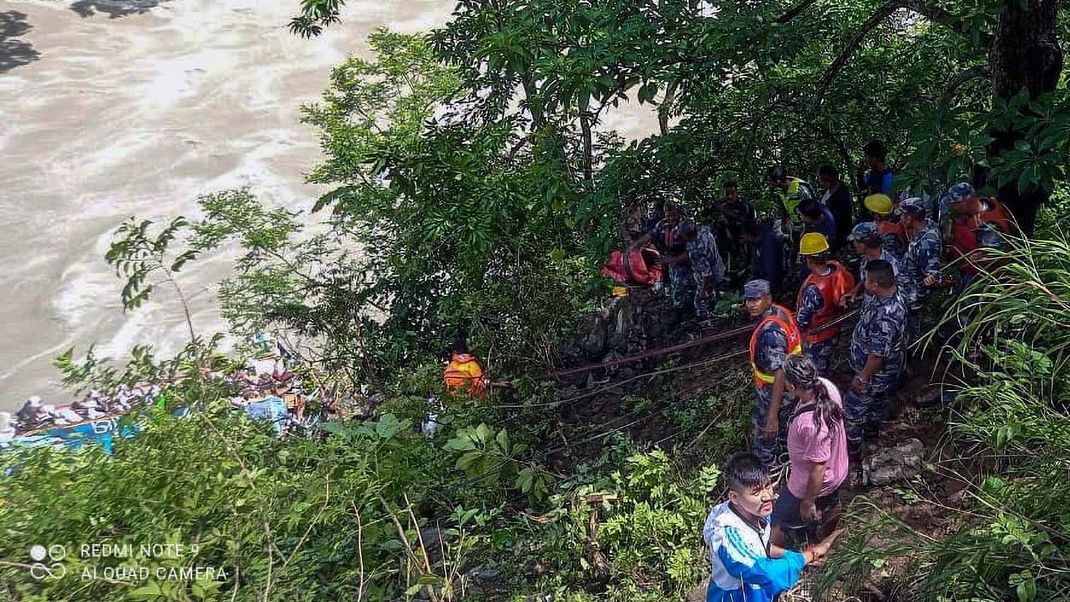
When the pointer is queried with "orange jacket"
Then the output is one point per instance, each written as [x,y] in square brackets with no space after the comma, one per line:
[464,373]
[832,287]
[783,318]
[964,233]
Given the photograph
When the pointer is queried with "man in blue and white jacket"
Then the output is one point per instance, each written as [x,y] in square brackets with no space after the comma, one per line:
[746,566]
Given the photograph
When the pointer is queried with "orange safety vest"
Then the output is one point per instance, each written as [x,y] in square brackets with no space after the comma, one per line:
[783,318]
[464,373]
[832,287]
[964,232]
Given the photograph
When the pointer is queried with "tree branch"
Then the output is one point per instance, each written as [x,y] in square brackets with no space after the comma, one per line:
[953,84]
[931,12]
[833,70]
[794,11]
[942,16]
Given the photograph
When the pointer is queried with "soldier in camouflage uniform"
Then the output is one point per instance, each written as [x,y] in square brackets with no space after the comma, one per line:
[876,356]
[664,236]
[707,267]
[866,241]
[775,337]
[919,269]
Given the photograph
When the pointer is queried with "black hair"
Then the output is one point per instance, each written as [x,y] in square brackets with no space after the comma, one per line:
[918,212]
[811,209]
[800,371]
[776,172]
[822,257]
[745,472]
[876,149]
[686,228]
[730,184]
[881,272]
[872,242]
[460,344]
[829,171]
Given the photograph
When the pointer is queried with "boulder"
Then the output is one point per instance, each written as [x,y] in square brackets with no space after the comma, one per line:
[901,462]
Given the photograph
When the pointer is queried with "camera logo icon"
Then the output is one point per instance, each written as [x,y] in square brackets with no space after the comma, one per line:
[48,562]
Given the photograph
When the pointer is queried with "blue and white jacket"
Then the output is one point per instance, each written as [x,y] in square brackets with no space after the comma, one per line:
[742,568]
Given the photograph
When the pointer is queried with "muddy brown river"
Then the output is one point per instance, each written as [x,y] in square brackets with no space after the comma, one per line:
[116,108]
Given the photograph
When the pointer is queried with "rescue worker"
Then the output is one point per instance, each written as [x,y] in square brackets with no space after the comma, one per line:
[979,224]
[819,298]
[665,239]
[882,208]
[867,242]
[838,199]
[775,337]
[874,174]
[789,193]
[919,269]
[876,356]
[463,375]
[767,254]
[735,212]
[818,218]
[706,265]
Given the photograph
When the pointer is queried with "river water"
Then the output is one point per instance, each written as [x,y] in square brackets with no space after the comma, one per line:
[116,108]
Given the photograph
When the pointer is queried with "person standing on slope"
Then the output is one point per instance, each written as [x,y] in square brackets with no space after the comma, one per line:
[745,565]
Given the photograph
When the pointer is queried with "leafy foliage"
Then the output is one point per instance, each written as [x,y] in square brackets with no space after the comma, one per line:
[138,255]
[1009,539]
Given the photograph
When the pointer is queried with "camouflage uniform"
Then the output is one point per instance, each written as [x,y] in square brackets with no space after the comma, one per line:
[680,281]
[867,297]
[705,263]
[770,353]
[892,243]
[821,352]
[879,332]
[922,258]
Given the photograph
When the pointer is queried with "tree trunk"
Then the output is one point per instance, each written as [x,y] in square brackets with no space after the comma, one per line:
[588,142]
[1025,54]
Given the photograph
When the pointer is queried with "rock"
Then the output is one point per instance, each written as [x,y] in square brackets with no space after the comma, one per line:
[893,464]
[484,572]
[432,542]
[594,344]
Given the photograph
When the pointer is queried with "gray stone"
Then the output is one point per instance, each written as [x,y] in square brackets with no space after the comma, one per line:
[901,462]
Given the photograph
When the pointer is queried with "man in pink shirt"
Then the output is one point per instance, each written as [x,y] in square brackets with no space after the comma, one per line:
[817,452]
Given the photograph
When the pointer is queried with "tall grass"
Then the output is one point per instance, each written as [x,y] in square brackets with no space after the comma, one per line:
[1006,536]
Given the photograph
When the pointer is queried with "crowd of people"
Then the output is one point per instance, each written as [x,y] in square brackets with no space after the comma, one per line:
[888,253]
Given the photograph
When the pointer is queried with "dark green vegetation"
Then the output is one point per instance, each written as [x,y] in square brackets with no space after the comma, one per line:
[470,185]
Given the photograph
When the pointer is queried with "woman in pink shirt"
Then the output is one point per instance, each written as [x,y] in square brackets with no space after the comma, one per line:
[817,449]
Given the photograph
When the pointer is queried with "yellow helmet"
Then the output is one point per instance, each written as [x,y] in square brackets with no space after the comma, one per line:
[880,204]
[813,243]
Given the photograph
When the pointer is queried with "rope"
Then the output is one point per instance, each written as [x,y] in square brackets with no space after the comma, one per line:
[622,382]
[682,346]
[653,352]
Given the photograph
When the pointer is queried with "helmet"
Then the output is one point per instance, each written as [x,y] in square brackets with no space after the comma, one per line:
[913,206]
[863,231]
[880,204]
[960,192]
[813,243]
